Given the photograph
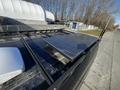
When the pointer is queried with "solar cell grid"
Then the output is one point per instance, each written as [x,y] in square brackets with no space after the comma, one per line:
[70,45]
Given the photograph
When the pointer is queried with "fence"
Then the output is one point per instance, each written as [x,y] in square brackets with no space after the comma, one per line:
[81,26]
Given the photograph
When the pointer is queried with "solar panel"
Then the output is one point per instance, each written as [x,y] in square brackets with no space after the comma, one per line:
[70,45]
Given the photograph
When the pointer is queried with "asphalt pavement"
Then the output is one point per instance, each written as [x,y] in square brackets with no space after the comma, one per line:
[105,71]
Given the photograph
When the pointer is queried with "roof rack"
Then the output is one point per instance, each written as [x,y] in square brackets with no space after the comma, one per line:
[30,31]
[36,59]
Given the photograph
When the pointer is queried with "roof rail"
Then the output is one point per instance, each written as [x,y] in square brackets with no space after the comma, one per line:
[36,59]
[23,29]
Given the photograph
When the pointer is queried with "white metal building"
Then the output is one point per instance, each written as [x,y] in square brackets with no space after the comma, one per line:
[24,11]
[49,16]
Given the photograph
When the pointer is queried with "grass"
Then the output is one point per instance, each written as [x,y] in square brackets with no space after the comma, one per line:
[92,32]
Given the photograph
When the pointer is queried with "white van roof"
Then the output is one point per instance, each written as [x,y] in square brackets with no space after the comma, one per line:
[11,63]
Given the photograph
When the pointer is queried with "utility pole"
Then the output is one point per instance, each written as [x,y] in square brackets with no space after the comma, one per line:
[104,30]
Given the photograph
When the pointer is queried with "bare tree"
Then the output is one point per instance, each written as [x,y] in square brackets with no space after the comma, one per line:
[93,12]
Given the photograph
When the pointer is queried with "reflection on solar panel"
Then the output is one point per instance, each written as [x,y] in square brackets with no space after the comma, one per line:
[70,45]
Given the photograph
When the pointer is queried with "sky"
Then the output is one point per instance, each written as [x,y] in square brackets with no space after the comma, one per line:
[118,20]
[118,16]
